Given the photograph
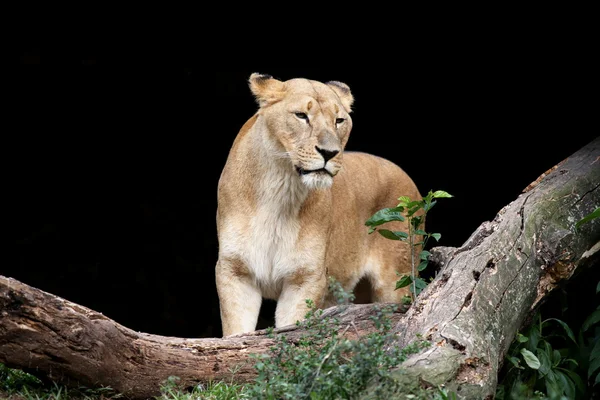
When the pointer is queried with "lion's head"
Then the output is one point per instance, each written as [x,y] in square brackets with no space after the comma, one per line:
[309,124]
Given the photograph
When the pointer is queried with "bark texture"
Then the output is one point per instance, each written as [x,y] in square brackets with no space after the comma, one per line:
[470,312]
[74,345]
[486,288]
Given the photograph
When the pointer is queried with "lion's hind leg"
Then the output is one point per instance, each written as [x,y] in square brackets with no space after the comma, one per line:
[383,275]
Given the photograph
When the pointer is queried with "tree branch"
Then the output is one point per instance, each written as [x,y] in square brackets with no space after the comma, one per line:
[486,288]
[71,344]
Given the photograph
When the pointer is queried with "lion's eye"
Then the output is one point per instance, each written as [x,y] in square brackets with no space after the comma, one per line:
[339,120]
[301,115]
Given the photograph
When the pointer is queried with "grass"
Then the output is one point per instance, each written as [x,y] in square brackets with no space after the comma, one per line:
[19,385]
[212,391]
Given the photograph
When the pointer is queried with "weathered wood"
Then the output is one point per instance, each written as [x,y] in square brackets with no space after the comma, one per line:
[488,286]
[470,312]
[74,345]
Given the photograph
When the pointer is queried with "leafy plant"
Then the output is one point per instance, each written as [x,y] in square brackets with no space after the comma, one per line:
[324,363]
[589,338]
[17,384]
[443,394]
[589,335]
[416,237]
[538,370]
[535,368]
[13,380]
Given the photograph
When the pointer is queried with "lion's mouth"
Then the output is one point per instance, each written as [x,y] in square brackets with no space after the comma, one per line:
[303,171]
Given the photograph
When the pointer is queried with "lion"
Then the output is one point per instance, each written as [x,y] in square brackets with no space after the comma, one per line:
[292,207]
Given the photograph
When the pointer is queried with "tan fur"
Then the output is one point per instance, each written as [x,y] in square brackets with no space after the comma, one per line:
[282,229]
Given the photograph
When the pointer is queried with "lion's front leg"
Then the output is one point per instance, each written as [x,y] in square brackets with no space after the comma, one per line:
[239,298]
[291,305]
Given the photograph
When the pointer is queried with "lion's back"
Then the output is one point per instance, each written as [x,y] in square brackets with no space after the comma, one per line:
[366,184]
[373,181]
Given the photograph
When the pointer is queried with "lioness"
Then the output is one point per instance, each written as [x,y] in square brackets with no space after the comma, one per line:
[292,207]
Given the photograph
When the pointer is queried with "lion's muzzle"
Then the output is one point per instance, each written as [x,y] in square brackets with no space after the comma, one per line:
[303,171]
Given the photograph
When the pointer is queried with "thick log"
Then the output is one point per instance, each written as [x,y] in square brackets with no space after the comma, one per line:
[488,287]
[74,345]
[470,312]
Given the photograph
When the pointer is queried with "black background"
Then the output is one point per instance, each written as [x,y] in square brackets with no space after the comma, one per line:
[115,159]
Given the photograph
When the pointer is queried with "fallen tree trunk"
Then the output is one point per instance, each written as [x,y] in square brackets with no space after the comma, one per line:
[471,311]
[71,344]
[486,288]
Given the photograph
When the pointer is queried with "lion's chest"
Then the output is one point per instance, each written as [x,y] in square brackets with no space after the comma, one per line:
[270,250]
[270,240]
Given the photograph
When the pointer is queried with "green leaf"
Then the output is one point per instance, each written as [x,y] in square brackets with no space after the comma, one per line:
[576,379]
[440,194]
[569,360]
[594,361]
[515,361]
[393,235]
[564,326]
[534,336]
[591,320]
[420,284]
[521,338]
[597,381]
[424,255]
[420,232]
[568,386]
[593,215]
[404,281]
[403,200]
[553,389]
[436,236]
[413,207]
[595,353]
[423,265]
[428,205]
[556,358]
[416,221]
[530,358]
[385,215]
[544,359]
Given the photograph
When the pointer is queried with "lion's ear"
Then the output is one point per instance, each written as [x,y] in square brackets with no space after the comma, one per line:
[266,89]
[343,91]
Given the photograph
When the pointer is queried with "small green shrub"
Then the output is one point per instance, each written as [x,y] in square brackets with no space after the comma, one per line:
[14,380]
[547,361]
[536,368]
[415,211]
[17,384]
[589,343]
[324,364]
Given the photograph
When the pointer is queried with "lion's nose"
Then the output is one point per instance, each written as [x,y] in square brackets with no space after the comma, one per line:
[327,154]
